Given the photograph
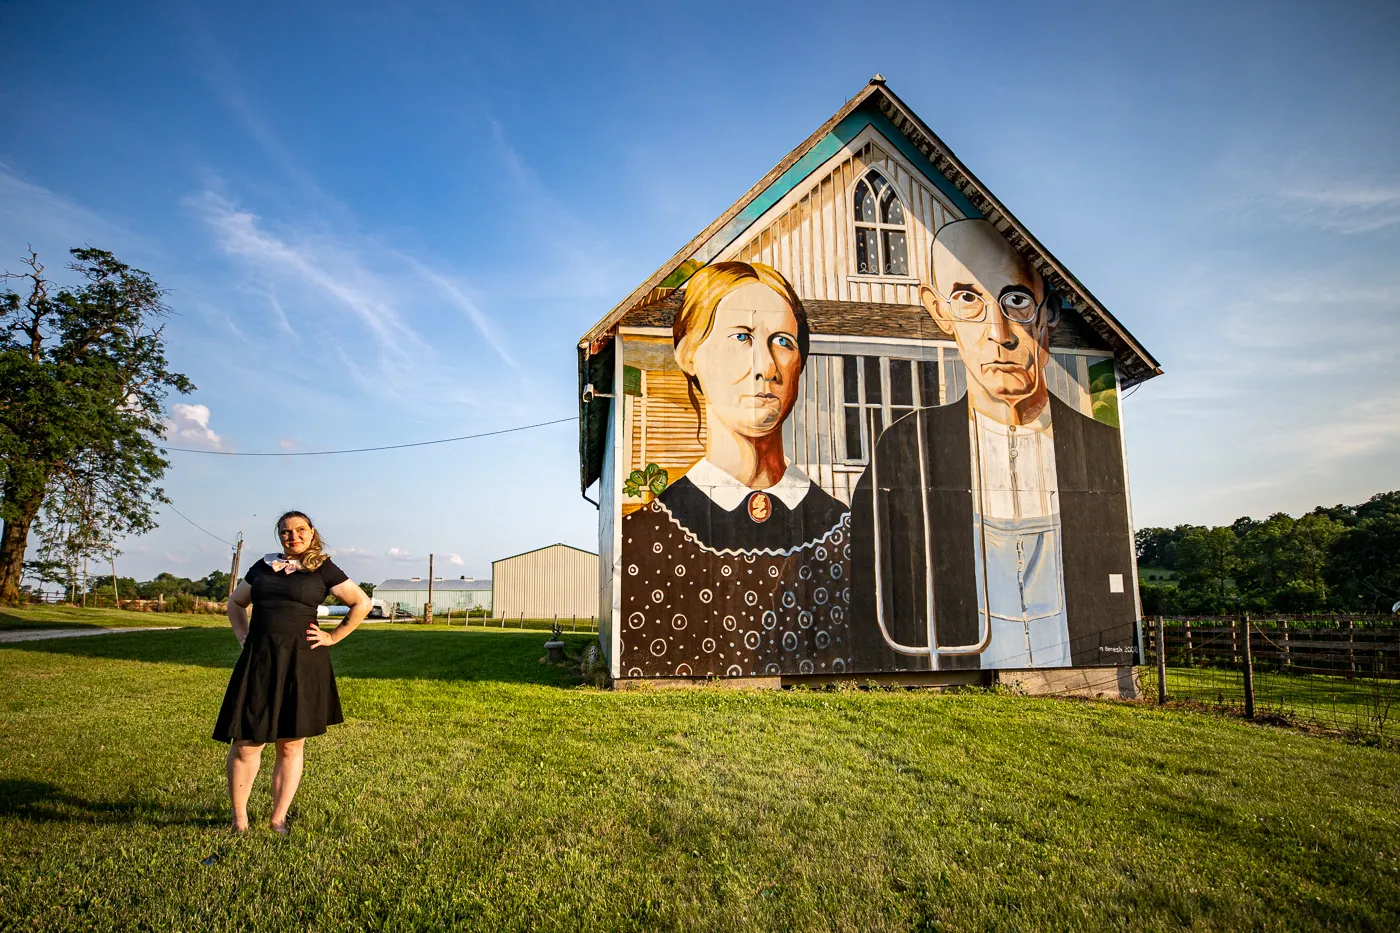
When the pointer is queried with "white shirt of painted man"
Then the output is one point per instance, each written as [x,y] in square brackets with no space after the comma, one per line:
[1016,525]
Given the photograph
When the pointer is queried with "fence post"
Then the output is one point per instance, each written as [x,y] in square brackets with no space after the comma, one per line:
[1161,662]
[1235,641]
[1248,672]
[1287,649]
[1190,644]
[1351,647]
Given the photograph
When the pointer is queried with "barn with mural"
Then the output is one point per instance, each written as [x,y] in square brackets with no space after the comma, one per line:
[864,423]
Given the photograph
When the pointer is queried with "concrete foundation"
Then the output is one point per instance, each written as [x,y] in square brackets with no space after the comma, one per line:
[1114,683]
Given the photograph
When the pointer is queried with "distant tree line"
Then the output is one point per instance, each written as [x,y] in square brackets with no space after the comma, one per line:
[212,586]
[1339,558]
[167,586]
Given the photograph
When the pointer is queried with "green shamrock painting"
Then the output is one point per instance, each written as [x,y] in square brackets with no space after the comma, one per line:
[653,478]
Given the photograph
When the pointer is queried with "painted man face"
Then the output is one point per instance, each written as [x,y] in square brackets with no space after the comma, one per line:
[748,365]
[982,285]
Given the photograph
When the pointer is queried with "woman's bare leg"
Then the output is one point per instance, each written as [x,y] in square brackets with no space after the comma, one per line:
[286,775]
[244,759]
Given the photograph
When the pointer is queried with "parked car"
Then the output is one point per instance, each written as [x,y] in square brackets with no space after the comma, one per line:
[378,610]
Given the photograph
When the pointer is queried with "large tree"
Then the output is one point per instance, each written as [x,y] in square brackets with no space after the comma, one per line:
[83,383]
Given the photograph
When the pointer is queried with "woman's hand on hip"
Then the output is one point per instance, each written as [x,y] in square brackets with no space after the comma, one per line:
[318,637]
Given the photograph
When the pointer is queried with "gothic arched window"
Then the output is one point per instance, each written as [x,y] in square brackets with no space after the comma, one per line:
[882,240]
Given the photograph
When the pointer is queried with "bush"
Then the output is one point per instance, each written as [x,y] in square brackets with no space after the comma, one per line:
[1159,599]
[180,602]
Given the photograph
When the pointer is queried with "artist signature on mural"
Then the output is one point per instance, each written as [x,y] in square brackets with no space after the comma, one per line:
[1118,649]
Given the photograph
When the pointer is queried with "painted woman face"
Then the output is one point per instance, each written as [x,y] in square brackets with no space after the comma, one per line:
[748,365]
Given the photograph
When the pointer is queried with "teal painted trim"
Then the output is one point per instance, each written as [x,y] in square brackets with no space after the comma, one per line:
[845,131]
[921,162]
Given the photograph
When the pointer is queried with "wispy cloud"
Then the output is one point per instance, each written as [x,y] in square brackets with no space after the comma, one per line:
[1347,206]
[52,222]
[456,293]
[318,263]
[1331,192]
[314,263]
[189,425]
[351,552]
[580,262]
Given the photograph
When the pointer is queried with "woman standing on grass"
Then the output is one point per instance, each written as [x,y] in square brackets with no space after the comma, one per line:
[283,688]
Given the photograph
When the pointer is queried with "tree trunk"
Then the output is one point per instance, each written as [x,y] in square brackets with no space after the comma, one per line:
[14,540]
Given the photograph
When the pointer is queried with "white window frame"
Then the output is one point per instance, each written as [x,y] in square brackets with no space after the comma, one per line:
[885,405]
[879,227]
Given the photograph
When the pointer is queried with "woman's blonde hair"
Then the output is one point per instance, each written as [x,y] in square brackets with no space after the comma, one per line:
[313,556]
[703,293]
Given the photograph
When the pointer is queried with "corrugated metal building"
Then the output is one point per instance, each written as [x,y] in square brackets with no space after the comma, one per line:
[555,580]
[457,595]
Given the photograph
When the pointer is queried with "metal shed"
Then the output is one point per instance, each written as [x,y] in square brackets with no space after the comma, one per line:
[557,580]
[456,595]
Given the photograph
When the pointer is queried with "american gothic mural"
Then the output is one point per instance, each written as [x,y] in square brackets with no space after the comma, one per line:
[864,423]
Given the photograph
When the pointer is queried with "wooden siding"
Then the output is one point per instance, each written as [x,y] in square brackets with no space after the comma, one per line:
[812,241]
[664,427]
[555,580]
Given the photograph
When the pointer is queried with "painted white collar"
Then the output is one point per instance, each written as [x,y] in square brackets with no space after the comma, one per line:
[727,492]
[1040,425]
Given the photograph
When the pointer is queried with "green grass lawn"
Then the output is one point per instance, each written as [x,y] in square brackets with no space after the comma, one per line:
[77,617]
[475,787]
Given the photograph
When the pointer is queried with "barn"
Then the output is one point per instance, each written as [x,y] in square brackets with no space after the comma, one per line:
[558,580]
[459,595]
[864,423]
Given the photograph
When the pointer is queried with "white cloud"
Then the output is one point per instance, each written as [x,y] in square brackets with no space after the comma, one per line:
[399,554]
[455,560]
[288,443]
[189,425]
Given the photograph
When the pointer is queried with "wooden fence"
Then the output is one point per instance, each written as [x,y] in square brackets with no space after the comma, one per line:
[1340,673]
[1365,646]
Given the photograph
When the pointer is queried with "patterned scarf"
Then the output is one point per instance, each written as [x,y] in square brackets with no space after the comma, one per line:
[280,564]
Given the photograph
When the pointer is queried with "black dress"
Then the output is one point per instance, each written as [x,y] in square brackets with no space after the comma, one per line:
[281,687]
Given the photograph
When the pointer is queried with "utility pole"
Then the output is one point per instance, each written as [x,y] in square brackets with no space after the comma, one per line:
[233,573]
[428,606]
[86,587]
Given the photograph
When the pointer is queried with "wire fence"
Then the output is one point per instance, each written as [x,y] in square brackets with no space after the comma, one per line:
[1336,673]
[566,624]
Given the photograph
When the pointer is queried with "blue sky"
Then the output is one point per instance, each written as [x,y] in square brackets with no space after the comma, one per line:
[390,223]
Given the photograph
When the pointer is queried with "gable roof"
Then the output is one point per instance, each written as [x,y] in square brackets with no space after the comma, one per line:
[545,548]
[875,105]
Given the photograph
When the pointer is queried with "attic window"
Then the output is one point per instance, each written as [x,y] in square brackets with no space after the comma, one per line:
[882,238]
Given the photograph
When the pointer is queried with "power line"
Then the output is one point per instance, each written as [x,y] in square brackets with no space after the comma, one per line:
[362,450]
[200,527]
